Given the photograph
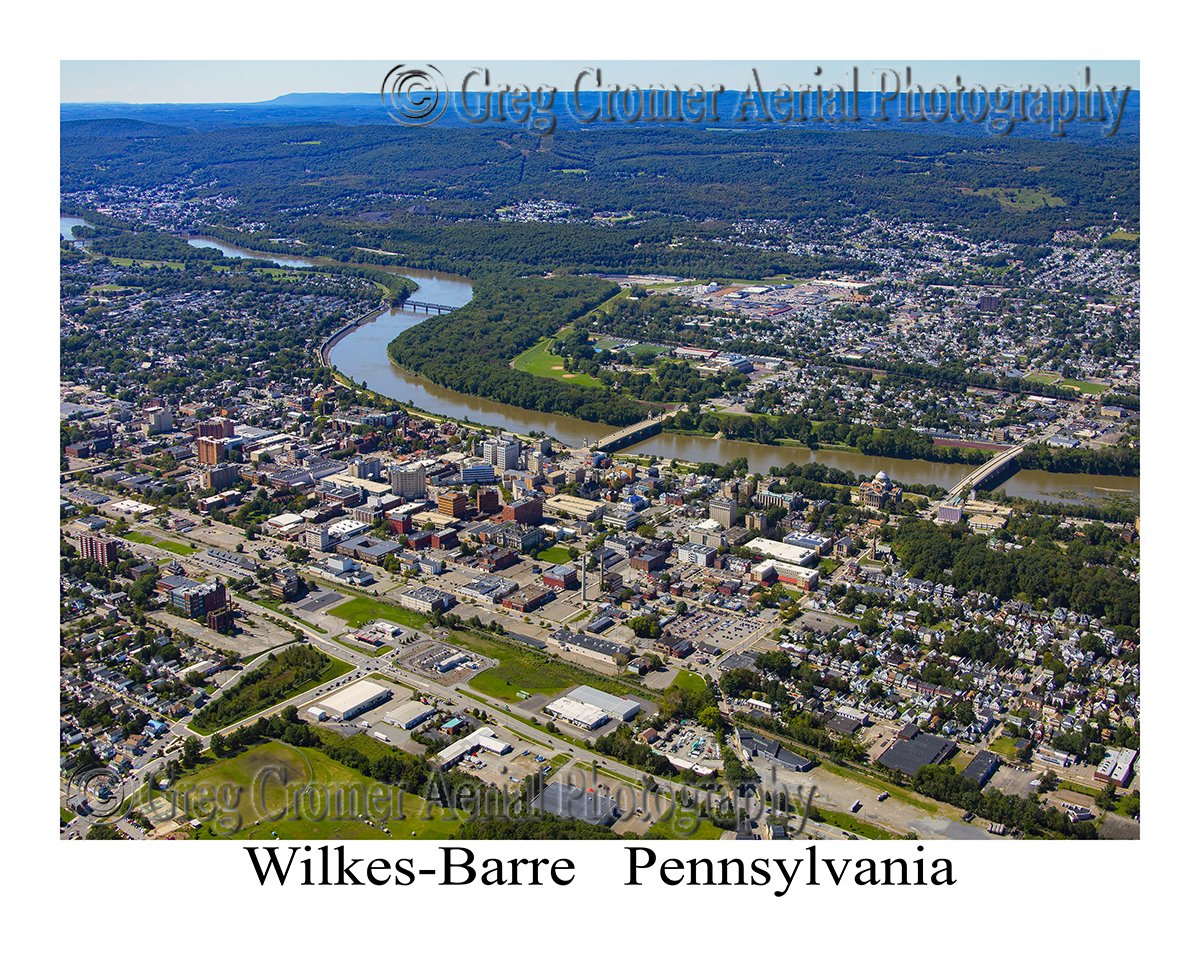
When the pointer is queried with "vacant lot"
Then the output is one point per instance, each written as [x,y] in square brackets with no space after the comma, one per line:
[362,610]
[257,784]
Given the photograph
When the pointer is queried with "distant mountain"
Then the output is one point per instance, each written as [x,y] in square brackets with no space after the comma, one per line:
[355,109]
[323,100]
[118,127]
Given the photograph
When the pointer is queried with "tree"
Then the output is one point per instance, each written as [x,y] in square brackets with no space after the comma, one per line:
[102,831]
[217,743]
[711,718]
[191,751]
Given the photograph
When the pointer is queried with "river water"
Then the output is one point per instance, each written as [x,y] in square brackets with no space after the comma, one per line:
[362,356]
[66,223]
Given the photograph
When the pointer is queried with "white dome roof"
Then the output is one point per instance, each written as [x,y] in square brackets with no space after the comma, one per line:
[882,477]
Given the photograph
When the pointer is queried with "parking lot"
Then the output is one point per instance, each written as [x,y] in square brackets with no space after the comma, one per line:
[720,630]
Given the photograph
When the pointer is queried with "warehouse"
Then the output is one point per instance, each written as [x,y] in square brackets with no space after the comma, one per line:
[621,707]
[349,703]
[576,804]
[482,739]
[408,715]
[580,714]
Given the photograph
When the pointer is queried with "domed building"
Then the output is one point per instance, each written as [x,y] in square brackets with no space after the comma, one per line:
[878,492]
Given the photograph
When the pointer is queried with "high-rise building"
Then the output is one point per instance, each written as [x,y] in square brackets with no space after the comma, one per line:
[158,420]
[96,546]
[218,428]
[408,483]
[724,510]
[211,450]
[527,510]
[479,473]
[363,468]
[502,452]
[453,504]
[316,537]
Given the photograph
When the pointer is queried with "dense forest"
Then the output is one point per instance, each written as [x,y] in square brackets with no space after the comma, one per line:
[469,350]
[333,172]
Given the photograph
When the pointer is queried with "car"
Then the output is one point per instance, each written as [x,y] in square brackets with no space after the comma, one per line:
[883,796]
[857,806]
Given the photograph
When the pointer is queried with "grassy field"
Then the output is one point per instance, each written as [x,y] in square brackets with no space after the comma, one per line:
[1084,387]
[257,795]
[524,668]
[1005,746]
[1019,198]
[555,555]
[136,537]
[362,610]
[182,549]
[682,825]
[335,669]
[846,821]
[686,680]
[539,361]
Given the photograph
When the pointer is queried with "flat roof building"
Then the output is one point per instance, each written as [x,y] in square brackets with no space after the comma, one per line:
[482,739]
[408,715]
[354,699]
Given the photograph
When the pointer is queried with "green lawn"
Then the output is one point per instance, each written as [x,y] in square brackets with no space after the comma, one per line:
[524,668]
[259,782]
[1005,746]
[681,825]
[1084,387]
[182,549]
[555,555]
[137,537]
[362,610]
[846,821]
[540,362]
[1020,198]
[686,680]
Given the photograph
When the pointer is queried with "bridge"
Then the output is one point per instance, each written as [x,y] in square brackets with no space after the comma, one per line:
[630,434]
[984,473]
[439,307]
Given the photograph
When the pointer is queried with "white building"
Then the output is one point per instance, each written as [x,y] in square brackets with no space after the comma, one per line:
[354,699]
[482,739]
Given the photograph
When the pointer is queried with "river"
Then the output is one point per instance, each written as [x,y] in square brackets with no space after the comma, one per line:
[362,356]
[66,223]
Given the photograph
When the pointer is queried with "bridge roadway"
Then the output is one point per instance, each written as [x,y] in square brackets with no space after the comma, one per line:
[989,469]
[630,434]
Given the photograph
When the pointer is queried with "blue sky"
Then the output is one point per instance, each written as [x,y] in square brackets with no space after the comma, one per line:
[241,81]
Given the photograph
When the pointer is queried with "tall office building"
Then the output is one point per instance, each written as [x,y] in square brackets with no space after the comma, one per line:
[724,510]
[407,482]
[502,452]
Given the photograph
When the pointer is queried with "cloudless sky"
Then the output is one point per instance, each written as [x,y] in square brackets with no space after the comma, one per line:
[245,81]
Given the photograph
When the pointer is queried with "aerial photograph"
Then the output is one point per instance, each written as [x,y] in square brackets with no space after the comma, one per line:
[628,450]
